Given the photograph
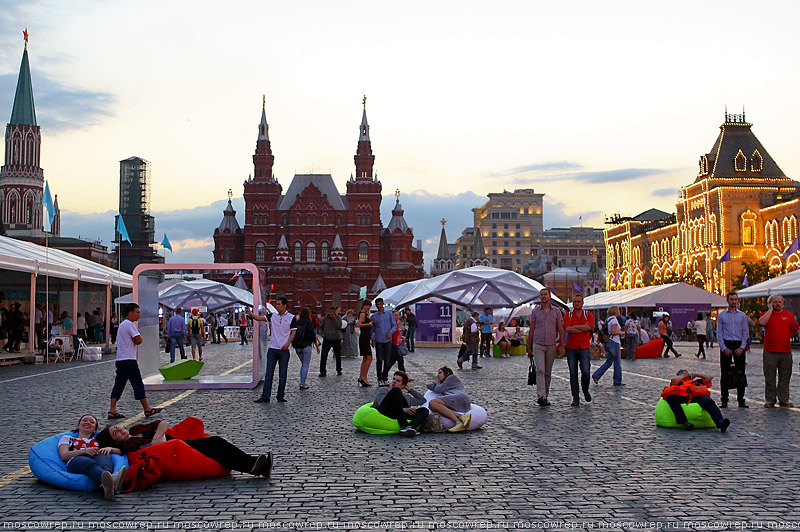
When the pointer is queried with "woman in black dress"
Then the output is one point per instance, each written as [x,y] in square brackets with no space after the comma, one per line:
[364,325]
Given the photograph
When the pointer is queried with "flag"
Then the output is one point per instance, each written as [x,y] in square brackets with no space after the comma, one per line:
[616,277]
[725,258]
[165,243]
[235,275]
[47,201]
[362,292]
[122,230]
[792,248]
[576,287]
[745,282]
[594,284]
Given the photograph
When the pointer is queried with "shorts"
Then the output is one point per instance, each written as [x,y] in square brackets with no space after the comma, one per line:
[196,340]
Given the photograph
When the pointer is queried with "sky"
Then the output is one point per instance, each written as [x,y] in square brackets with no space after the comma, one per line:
[605,107]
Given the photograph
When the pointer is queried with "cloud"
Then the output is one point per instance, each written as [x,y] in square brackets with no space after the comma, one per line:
[555,215]
[665,192]
[540,167]
[59,107]
[601,177]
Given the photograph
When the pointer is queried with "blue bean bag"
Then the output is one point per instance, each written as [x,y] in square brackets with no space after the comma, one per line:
[368,419]
[694,414]
[48,466]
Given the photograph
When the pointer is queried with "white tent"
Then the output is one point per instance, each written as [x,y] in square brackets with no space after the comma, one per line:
[203,292]
[392,296]
[786,285]
[652,296]
[476,288]
[128,298]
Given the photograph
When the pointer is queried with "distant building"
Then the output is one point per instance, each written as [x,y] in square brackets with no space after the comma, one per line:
[317,246]
[740,202]
[134,206]
[445,260]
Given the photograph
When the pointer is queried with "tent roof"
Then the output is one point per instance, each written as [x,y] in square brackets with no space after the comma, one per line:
[23,256]
[651,296]
[202,292]
[787,284]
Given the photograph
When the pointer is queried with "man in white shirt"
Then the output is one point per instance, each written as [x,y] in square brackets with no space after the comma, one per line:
[284,327]
[128,338]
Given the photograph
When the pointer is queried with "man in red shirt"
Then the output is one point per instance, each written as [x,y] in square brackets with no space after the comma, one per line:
[779,327]
[578,325]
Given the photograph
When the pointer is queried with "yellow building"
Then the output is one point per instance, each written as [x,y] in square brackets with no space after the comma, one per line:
[741,202]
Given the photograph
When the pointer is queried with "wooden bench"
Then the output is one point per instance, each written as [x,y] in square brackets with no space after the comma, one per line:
[11,359]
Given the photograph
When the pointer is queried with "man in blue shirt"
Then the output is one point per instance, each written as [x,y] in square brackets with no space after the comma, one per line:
[383,325]
[732,335]
[486,321]
[176,332]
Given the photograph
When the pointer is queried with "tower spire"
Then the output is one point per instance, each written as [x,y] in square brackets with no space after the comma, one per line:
[364,158]
[263,158]
[24,111]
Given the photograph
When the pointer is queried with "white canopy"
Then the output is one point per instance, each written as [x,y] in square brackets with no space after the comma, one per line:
[203,292]
[652,296]
[787,284]
[476,288]
[392,296]
[22,256]
[128,298]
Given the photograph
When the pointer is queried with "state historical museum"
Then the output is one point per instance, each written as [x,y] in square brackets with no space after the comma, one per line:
[316,246]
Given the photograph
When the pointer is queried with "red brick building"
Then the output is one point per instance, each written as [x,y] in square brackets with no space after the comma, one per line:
[317,246]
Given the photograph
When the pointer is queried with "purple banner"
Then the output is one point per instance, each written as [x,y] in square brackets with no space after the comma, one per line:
[432,318]
[681,313]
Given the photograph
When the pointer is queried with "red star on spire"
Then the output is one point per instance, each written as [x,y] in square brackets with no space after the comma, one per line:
[25,33]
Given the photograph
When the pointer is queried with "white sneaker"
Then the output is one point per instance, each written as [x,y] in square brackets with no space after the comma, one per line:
[408,432]
[119,478]
[107,483]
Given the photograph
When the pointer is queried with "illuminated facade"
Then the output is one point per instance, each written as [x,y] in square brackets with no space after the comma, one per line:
[741,202]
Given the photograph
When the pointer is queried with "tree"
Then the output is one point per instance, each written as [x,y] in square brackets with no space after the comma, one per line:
[756,272]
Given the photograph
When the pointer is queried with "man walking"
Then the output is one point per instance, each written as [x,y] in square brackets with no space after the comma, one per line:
[284,327]
[732,334]
[331,329]
[545,334]
[196,327]
[471,337]
[578,325]
[779,327]
[383,326]
[486,321]
[128,338]
[176,332]
[633,331]
[212,328]
[411,329]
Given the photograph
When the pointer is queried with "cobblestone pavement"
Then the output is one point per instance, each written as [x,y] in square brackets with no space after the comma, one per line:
[603,463]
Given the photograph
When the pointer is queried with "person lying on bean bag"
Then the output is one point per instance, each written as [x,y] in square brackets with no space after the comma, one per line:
[218,449]
[401,402]
[84,455]
[454,399]
[692,388]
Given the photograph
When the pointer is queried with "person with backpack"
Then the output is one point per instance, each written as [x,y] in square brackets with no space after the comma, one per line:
[196,328]
[302,342]
[633,330]
[610,335]
[331,330]
[578,325]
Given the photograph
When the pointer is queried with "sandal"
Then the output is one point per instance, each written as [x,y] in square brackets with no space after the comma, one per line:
[152,412]
[115,415]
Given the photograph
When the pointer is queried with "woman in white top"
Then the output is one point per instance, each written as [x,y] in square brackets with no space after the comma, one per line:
[612,347]
[701,326]
[501,338]
[84,456]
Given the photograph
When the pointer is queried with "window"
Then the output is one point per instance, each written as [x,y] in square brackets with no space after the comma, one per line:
[298,252]
[324,253]
[517,244]
[398,255]
[757,163]
[494,252]
[740,162]
[285,220]
[494,261]
[227,255]
[505,235]
[494,235]
[338,219]
[313,284]
[311,252]
[517,226]
[494,226]
[505,226]
[495,215]
[297,219]
[324,219]
[505,243]
[260,252]
[363,252]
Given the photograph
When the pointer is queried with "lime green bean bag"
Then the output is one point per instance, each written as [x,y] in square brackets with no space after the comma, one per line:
[368,419]
[694,413]
[181,370]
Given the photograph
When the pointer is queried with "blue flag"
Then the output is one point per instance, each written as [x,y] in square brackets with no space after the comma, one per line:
[362,293]
[122,230]
[165,243]
[47,201]
[576,287]
[616,277]
[745,282]
[792,248]
[725,258]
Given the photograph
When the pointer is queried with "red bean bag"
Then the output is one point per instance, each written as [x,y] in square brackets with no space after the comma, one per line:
[173,459]
[651,349]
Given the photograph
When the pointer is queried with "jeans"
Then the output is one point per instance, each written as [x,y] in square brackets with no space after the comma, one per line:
[395,357]
[383,351]
[280,357]
[304,355]
[412,329]
[612,358]
[486,344]
[782,364]
[337,352]
[574,358]
[91,466]
[701,340]
[242,335]
[705,402]
[631,342]
[175,339]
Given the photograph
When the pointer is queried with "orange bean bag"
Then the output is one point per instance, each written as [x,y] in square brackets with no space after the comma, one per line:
[651,349]
[173,459]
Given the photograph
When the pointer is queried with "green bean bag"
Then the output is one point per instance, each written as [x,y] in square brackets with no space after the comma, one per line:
[694,413]
[368,419]
[181,370]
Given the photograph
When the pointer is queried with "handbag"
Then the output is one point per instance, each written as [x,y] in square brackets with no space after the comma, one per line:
[402,350]
[532,373]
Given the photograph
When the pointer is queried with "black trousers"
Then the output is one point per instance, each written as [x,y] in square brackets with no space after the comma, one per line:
[337,352]
[227,454]
[392,406]
[701,342]
[395,357]
[668,345]
[725,362]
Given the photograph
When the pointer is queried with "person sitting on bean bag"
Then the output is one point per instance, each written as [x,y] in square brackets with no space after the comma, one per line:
[215,447]
[454,399]
[692,388]
[401,402]
[84,455]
